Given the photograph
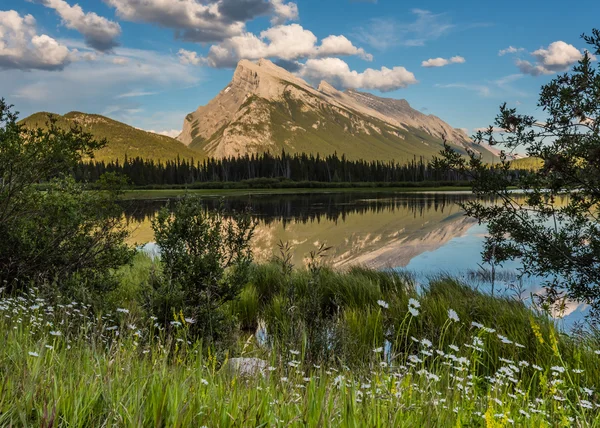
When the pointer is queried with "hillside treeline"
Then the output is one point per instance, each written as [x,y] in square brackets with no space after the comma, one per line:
[297,167]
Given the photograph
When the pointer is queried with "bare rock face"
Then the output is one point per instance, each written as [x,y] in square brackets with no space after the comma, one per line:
[266,108]
[402,112]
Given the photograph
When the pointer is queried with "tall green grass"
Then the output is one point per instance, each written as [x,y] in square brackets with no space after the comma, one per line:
[360,359]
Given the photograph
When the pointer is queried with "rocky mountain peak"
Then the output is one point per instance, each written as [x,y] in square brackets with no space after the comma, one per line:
[265,107]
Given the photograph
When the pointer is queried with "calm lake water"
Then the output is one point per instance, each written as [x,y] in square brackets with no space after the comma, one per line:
[425,233]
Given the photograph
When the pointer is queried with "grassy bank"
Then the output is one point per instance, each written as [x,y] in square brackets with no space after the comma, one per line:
[138,194]
[356,348]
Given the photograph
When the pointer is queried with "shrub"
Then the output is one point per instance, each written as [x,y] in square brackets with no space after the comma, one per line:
[205,258]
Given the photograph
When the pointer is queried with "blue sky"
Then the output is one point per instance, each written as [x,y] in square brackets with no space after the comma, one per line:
[150,62]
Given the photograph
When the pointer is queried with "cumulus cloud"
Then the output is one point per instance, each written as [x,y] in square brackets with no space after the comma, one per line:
[188,57]
[98,32]
[22,48]
[340,45]
[510,50]
[557,57]
[284,42]
[338,73]
[203,21]
[441,62]
[283,12]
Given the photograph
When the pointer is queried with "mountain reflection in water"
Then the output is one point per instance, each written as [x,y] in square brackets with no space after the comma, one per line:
[425,233]
[373,229]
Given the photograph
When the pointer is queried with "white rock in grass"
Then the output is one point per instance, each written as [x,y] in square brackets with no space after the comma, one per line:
[246,367]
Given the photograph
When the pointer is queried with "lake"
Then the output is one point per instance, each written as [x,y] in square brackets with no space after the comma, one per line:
[424,233]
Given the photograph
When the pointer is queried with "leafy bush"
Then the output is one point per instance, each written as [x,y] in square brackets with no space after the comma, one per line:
[64,237]
[205,258]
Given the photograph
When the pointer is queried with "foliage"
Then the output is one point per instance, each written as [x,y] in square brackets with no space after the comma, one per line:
[361,309]
[122,141]
[205,257]
[64,366]
[559,241]
[266,170]
[64,236]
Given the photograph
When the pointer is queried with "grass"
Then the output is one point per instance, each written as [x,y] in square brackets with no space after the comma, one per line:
[488,362]
[173,193]
[123,140]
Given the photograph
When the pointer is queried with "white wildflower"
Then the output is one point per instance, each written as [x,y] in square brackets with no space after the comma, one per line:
[378,350]
[452,315]
[55,333]
[123,311]
[383,304]
[413,311]
[414,303]
[33,354]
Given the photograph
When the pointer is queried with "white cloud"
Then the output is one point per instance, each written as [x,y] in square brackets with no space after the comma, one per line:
[22,48]
[441,62]
[188,57]
[494,129]
[120,60]
[71,89]
[510,50]
[557,57]
[173,133]
[338,73]
[98,32]
[132,94]
[202,21]
[340,45]
[283,12]
[286,42]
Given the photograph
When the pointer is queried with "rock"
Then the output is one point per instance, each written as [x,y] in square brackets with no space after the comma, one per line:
[246,367]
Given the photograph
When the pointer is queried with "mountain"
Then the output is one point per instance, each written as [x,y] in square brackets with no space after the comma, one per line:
[123,140]
[266,108]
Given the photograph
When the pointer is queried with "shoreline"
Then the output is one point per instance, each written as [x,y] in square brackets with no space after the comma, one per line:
[156,194]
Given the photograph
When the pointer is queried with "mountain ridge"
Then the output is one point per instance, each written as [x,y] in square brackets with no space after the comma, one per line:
[123,140]
[266,108]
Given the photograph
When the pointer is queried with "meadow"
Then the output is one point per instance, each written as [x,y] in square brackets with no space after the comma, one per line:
[352,348]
